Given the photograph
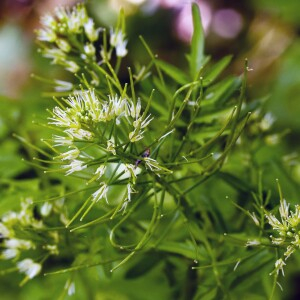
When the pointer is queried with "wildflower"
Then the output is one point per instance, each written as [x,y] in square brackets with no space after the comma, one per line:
[289,251]
[62,86]
[111,147]
[48,21]
[287,231]
[154,166]
[57,55]
[61,118]
[89,50]
[63,45]
[279,264]
[254,218]
[117,40]
[62,140]
[116,107]
[15,243]
[70,287]
[29,267]
[130,190]
[267,121]
[80,134]
[10,253]
[276,224]
[100,171]
[131,170]
[69,155]
[4,231]
[46,35]
[139,124]
[46,209]
[294,218]
[90,31]
[75,166]
[134,110]
[100,193]
[251,243]
[71,66]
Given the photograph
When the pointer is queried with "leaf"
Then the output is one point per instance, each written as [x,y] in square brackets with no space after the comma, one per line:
[196,57]
[221,91]
[180,248]
[209,116]
[172,71]
[216,70]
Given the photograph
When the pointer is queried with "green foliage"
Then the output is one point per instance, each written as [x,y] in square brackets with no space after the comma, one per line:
[154,183]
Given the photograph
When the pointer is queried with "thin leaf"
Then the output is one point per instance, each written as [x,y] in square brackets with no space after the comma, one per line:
[172,71]
[216,70]
[197,46]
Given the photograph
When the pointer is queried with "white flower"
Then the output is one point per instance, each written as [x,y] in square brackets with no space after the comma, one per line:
[117,40]
[251,243]
[101,193]
[289,251]
[46,35]
[134,110]
[254,218]
[267,121]
[71,66]
[89,50]
[154,166]
[29,267]
[121,50]
[54,53]
[275,223]
[48,21]
[62,140]
[284,210]
[69,155]
[61,13]
[79,134]
[75,166]
[70,287]
[100,171]
[90,31]
[111,146]
[130,190]
[10,253]
[294,219]
[131,169]
[139,124]
[46,209]
[279,264]
[4,231]
[18,244]
[62,86]
[63,45]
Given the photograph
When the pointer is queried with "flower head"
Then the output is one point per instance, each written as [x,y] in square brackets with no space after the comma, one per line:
[29,267]
[117,40]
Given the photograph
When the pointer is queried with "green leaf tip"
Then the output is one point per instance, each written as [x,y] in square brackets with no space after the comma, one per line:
[197,43]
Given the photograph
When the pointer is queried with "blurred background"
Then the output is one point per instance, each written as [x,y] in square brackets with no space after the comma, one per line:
[264,31]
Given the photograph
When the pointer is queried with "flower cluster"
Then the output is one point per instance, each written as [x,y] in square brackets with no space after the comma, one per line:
[62,34]
[68,38]
[95,127]
[84,115]
[23,247]
[287,231]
